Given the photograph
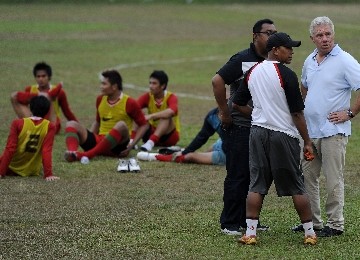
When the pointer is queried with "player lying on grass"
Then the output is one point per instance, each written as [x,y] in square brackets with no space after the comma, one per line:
[215,155]
[20,99]
[30,142]
[109,134]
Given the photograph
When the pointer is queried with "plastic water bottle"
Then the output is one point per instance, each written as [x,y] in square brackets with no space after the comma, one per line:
[84,160]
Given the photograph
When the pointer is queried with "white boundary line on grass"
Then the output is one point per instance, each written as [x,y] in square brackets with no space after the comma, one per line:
[167,62]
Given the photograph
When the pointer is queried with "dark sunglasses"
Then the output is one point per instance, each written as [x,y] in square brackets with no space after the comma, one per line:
[268,33]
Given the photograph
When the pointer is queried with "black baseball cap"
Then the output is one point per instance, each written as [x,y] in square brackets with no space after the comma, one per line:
[281,39]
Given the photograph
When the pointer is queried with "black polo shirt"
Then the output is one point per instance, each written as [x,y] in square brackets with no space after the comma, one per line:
[232,72]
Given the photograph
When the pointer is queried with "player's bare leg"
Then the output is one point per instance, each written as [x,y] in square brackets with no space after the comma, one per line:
[201,158]
[164,127]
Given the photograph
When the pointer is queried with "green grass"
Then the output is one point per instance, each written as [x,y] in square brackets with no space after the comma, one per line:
[175,1]
[168,211]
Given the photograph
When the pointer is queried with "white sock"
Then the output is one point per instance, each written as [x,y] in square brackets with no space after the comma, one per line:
[146,156]
[152,156]
[309,229]
[148,145]
[251,226]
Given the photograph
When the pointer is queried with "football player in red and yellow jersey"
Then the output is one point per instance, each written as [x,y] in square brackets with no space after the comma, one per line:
[20,99]
[109,135]
[162,116]
[30,142]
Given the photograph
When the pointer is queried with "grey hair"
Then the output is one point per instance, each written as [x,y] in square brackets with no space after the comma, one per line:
[321,20]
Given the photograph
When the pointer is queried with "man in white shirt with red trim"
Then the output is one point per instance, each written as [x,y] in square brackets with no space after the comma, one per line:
[277,120]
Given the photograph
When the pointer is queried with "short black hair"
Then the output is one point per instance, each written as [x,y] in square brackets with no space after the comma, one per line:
[39,106]
[161,76]
[42,66]
[258,25]
[114,77]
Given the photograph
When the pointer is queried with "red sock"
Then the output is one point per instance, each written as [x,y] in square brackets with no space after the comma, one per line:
[180,159]
[169,158]
[154,138]
[111,140]
[133,134]
[71,139]
[164,157]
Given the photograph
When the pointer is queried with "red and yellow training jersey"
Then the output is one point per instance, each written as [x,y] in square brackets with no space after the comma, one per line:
[27,159]
[153,107]
[126,110]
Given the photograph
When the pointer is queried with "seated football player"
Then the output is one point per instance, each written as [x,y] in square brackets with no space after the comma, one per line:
[29,146]
[109,134]
[163,124]
[55,93]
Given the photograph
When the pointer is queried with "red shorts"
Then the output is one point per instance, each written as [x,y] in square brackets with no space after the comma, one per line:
[169,139]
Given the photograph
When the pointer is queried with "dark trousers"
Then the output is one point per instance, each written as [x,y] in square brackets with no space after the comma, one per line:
[237,180]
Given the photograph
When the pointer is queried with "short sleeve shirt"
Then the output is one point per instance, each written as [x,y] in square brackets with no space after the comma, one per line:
[274,89]
[329,85]
[233,71]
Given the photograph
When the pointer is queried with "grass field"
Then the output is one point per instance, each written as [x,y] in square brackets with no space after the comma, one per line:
[168,211]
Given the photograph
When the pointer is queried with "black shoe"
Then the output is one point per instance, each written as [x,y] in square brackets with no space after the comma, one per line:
[258,228]
[169,150]
[262,227]
[300,228]
[231,232]
[329,232]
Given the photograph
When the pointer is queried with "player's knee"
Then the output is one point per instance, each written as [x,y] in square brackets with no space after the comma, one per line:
[72,123]
[122,128]
[13,97]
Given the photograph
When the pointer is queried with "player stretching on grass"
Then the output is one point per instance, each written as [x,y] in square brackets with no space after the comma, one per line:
[30,142]
[277,120]
[109,134]
[20,100]
[215,155]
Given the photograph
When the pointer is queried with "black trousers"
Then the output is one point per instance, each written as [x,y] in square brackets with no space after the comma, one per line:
[237,180]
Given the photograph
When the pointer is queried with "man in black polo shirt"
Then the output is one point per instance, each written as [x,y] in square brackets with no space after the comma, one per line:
[236,139]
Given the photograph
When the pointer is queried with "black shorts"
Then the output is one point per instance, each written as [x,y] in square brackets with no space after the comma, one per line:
[275,156]
[92,139]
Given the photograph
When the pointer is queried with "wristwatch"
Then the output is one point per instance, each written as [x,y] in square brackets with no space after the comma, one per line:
[350,113]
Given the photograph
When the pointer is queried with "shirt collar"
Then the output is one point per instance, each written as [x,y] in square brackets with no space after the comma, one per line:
[253,49]
[335,51]
[35,118]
